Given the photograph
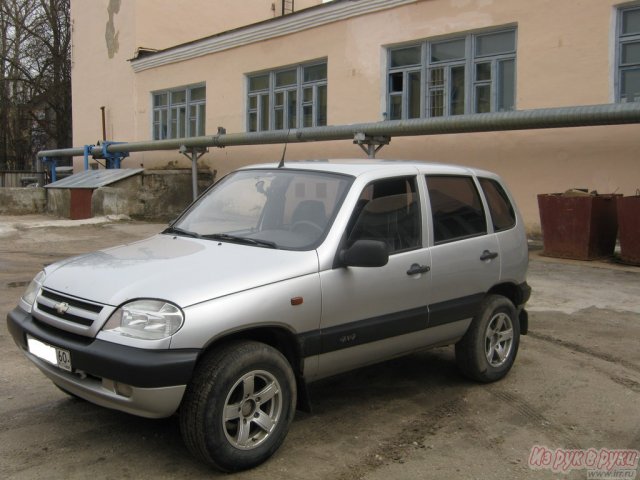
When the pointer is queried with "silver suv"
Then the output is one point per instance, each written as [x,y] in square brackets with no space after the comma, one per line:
[277,277]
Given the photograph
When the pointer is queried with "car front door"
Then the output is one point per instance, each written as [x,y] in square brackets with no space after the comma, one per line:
[367,312]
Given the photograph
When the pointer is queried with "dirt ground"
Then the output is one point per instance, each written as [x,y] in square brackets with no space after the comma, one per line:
[575,384]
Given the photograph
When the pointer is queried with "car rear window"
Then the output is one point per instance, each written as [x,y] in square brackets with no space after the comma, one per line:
[503,215]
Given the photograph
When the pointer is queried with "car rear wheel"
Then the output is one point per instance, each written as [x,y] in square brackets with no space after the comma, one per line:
[489,348]
[238,408]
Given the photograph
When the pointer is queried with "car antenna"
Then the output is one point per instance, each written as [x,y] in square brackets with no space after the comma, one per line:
[286,142]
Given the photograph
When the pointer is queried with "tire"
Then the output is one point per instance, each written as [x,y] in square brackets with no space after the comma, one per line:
[487,351]
[224,417]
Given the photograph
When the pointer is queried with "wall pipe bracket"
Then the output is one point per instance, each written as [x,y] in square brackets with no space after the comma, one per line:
[370,144]
[194,154]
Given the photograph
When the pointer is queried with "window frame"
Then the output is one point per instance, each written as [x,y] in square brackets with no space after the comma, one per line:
[621,40]
[293,105]
[169,113]
[427,66]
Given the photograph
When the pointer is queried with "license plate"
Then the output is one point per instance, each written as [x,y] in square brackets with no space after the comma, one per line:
[59,357]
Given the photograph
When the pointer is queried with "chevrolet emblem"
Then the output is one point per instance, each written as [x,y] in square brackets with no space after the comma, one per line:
[61,307]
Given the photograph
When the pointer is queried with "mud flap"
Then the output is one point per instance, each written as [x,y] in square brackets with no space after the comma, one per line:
[523,317]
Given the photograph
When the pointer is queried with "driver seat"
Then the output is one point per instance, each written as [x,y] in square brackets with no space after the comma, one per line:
[310,211]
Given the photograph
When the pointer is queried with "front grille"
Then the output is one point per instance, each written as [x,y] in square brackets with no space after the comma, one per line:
[68,309]
[73,302]
[69,317]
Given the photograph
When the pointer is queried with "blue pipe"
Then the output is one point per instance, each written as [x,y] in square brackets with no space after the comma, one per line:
[87,152]
[53,163]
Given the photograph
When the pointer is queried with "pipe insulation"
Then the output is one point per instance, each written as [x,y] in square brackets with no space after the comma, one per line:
[564,117]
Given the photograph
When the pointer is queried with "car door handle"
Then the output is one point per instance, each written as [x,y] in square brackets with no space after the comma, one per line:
[487,255]
[415,269]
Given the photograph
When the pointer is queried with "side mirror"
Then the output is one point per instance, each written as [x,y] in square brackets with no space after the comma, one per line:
[365,253]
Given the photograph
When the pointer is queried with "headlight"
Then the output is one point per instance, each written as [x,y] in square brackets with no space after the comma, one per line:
[30,294]
[145,319]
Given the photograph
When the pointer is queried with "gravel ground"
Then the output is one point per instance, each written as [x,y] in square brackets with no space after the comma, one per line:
[575,384]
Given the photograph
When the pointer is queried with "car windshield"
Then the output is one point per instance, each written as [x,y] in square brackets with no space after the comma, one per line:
[275,208]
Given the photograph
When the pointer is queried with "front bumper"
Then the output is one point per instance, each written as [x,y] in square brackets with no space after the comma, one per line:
[148,383]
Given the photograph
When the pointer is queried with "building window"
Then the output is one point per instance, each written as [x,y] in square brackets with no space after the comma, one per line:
[179,112]
[628,55]
[474,73]
[293,97]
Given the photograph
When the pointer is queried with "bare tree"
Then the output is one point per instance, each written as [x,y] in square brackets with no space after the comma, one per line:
[4,85]
[35,83]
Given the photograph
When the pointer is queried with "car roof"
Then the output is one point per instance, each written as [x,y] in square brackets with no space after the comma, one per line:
[357,167]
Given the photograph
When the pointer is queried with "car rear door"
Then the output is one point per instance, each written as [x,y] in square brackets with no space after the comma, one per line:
[465,260]
[514,253]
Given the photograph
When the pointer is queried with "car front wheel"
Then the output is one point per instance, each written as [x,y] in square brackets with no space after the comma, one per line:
[238,408]
[488,349]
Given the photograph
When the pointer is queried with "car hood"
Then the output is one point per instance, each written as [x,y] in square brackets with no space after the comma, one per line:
[182,270]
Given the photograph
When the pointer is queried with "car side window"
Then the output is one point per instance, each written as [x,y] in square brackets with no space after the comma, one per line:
[456,208]
[388,210]
[503,215]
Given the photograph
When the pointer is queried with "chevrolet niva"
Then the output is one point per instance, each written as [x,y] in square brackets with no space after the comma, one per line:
[276,277]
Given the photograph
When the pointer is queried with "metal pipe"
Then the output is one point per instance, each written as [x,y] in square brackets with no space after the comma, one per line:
[582,116]
[194,174]
[104,125]
[53,164]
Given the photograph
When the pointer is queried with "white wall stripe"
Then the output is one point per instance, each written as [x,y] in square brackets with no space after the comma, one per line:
[304,20]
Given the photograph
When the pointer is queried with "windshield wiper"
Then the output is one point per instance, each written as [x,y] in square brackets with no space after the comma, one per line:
[225,237]
[180,231]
